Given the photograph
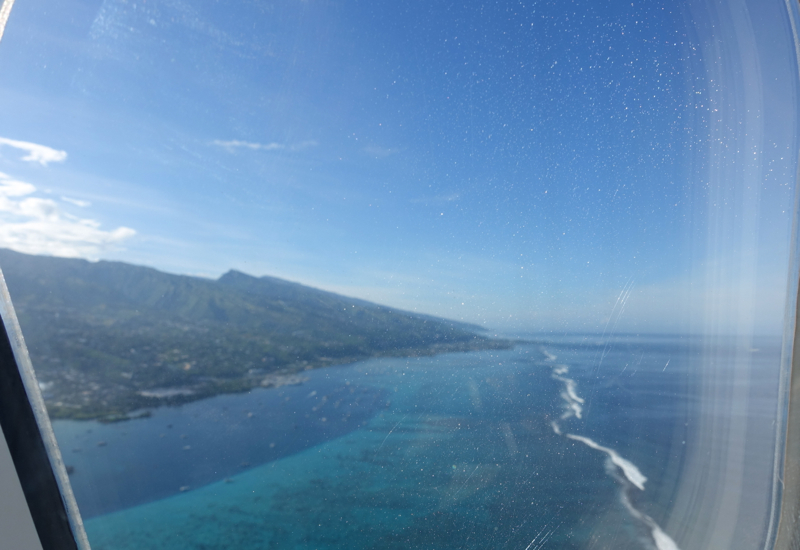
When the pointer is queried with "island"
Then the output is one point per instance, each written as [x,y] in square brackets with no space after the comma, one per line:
[110,340]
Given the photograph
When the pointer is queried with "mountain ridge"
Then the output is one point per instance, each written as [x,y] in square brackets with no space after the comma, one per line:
[108,338]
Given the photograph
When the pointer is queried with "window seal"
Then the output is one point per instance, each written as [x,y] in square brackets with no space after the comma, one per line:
[32,443]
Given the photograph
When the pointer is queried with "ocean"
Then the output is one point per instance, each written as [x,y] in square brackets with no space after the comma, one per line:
[561,442]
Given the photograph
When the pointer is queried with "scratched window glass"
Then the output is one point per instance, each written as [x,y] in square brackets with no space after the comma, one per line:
[322,274]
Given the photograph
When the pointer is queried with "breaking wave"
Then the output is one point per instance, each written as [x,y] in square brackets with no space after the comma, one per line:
[631,475]
[628,468]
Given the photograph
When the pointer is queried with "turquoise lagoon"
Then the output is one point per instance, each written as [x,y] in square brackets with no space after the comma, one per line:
[513,449]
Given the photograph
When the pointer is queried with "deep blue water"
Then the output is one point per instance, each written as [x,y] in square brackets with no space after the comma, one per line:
[470,450]
[119,465]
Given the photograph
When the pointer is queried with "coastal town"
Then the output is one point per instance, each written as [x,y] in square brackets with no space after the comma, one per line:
[109,341]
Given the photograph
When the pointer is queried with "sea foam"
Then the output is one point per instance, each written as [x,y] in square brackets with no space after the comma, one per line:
[570,396]
[628,468]
[573,402]
[662,540]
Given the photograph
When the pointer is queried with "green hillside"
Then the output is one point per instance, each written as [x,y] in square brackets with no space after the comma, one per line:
[108,338]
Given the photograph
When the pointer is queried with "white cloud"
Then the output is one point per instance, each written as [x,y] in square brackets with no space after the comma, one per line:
[36,225]
[14,188]
[234,144]
[36,153]
[77,202]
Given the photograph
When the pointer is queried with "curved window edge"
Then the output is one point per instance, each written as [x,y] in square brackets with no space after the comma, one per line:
[786,482]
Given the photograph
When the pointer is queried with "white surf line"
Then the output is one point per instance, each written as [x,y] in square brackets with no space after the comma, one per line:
[632,477]
[569,395]
[549,357]
[571,391]
[628,468]
[662,540]
[632,474]
[575,410]
[572,400]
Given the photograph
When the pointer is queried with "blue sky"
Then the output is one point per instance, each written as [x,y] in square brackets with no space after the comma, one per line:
[570,165]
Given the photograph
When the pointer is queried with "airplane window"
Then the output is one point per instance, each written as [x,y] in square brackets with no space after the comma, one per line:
[320,274]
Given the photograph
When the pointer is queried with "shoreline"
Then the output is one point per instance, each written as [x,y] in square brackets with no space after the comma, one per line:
[133,404]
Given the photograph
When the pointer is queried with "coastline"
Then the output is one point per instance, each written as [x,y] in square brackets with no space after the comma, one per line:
[130,403]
